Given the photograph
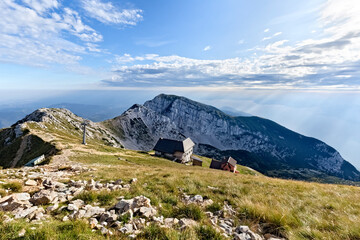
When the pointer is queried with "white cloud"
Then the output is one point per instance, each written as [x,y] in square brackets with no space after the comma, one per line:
[242,41]
[207,48]
[33,32]
[272,36]
[266,30]
[108,13]
[41,6]
[327,62]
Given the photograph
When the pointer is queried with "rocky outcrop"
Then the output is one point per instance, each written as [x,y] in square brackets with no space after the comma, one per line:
[32,136]
[52,186]
[256,142]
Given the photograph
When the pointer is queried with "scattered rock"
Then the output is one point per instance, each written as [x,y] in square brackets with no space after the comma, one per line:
[147,212]
[187,223]
[44,197]
[75,205]
[170,222]
[30,182]
[22,213]
[14,201]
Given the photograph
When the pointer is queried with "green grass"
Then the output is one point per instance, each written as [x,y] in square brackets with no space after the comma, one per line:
[13,186]
[205,232]
[104,198]
[189,211]
[50,231]
[292,209]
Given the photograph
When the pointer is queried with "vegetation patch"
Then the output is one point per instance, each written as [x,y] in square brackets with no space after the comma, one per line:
[12,186]
[104,198]
[189,211]
[205,232]
[154,232]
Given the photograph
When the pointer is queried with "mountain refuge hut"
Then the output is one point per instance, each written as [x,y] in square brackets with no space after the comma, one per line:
[179,151]
[228,164]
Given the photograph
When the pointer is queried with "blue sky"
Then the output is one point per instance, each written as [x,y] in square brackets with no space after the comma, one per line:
[295,62]
[238,44]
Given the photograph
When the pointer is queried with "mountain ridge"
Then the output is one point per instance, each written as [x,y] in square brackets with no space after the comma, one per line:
[276,146]
[256,142]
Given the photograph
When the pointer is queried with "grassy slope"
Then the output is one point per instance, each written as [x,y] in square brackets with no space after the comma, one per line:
[294,209]
[298,210]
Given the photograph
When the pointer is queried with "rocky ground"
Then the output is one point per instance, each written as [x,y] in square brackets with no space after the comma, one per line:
[48,192]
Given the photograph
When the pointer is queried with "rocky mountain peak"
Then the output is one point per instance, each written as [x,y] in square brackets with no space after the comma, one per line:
[167,103]
[256,142]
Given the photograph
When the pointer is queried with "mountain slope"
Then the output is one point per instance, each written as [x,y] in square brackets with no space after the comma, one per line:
[36,134]
[256,142]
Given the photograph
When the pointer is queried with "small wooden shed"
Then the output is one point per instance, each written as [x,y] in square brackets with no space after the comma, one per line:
[196,161]
[228,164]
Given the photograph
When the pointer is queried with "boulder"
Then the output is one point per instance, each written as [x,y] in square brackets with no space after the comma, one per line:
[22,213]
[14,201]
[44,197]
[30,182]
[52,208]
[92,211]
[37,215]
[75,205]
[241,236]
[147,212]
[245,231]
[187,223]
[133,204]
[124,205]
[170,222]
[226,228]
[127,228]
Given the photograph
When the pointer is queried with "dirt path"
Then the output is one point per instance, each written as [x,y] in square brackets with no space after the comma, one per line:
[20,151]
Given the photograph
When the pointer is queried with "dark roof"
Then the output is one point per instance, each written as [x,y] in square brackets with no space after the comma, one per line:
[232,161]
[215,164]
[171,146]
[196,158]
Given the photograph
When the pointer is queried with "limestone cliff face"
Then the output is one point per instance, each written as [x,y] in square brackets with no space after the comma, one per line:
[256,142]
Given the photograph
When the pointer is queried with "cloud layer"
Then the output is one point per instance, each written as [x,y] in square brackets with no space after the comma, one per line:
[43,32]
[331,61]
[107,13]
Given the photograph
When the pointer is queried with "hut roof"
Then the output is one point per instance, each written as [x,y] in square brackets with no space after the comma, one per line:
[196,158]
[171,146]
[215,164]
[232,161]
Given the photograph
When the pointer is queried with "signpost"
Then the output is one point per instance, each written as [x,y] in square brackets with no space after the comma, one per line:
[86,122]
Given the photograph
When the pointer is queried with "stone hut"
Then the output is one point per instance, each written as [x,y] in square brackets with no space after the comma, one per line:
[175,150]
[228,164]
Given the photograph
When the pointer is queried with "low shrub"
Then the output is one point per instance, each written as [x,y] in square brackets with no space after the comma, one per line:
[13,186]
[125,218]
[87,197]
[206,232]
[189,211]
[104,197]
[154,232]
[214,207]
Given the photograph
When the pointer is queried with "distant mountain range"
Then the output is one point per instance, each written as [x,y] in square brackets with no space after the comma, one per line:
[253,141]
